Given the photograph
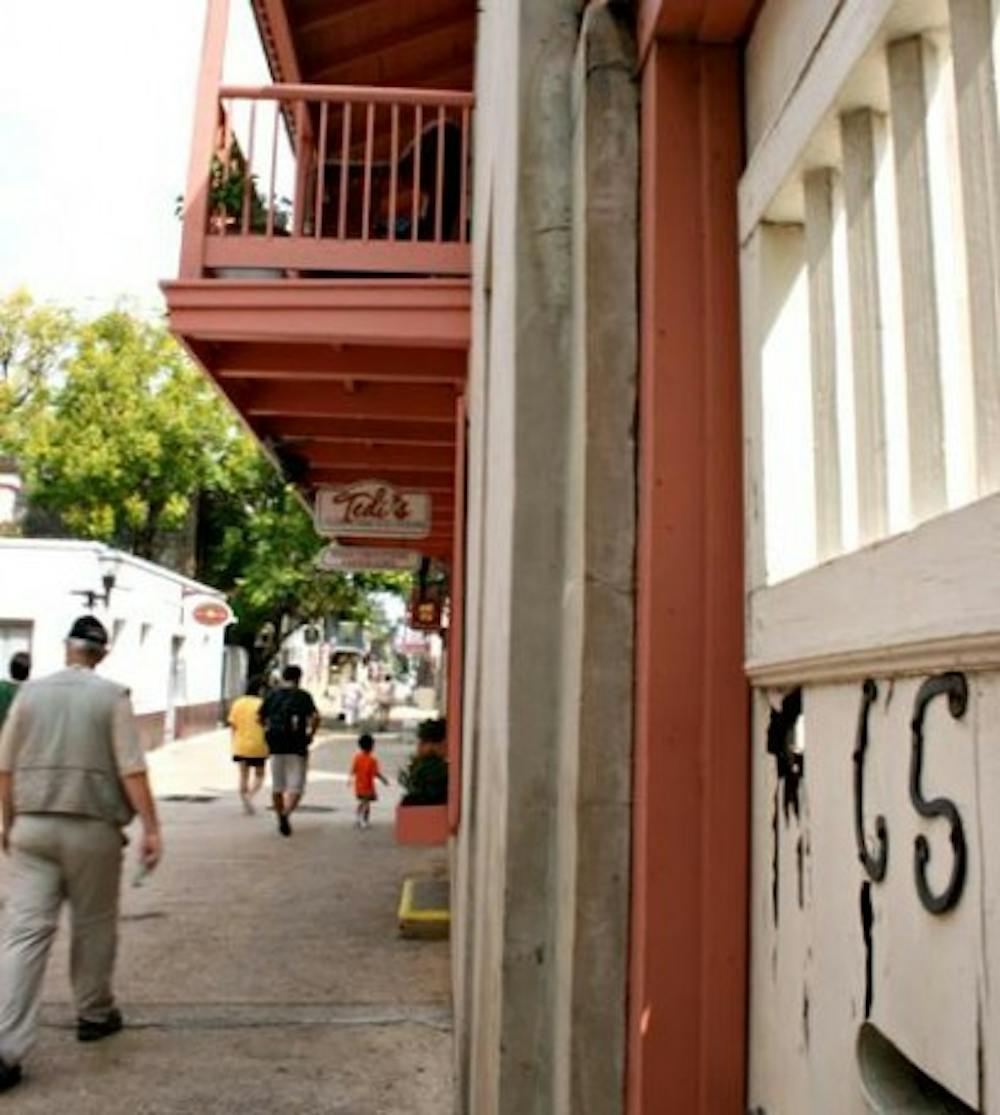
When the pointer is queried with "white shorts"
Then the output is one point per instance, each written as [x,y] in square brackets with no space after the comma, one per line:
[288,773]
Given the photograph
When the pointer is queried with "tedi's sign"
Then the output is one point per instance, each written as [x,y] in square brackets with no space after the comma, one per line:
[372,509]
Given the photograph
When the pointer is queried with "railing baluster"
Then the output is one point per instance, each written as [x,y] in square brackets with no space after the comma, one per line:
[302,169]
[418,124]
[248,176]
[345,155]
[463,202]
[366,204]
[439,185]
[271,193]
[226,143]
[321,169]
[393,171]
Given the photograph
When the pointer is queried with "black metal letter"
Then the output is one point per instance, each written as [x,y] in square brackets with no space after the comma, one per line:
[875,865]
[956,688]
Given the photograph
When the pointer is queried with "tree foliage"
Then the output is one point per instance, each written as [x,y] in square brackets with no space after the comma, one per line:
[121,446]
[121,439]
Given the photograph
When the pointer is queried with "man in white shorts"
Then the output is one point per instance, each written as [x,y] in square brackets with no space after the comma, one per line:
[290,720]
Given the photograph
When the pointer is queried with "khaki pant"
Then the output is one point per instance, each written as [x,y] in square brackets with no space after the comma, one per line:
[56,857]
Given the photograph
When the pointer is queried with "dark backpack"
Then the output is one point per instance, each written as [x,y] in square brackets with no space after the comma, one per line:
[286,721]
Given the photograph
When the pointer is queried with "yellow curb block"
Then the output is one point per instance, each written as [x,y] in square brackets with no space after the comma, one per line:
[424,909]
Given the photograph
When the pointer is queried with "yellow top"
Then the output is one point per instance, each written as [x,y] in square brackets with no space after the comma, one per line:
[248,732]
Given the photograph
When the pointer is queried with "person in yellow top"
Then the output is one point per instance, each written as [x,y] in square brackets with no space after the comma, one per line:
[249,746]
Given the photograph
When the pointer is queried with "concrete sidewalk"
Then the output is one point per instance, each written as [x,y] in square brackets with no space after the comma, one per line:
[257,973]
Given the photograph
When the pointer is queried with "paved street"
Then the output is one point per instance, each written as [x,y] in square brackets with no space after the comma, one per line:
[256,973]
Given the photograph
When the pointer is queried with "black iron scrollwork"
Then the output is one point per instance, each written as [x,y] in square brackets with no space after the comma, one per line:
[955,687]
[874,864]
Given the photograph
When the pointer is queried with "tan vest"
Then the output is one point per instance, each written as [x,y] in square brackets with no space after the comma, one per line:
[66,761]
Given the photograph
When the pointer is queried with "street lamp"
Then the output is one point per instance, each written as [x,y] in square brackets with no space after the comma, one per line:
[109,563]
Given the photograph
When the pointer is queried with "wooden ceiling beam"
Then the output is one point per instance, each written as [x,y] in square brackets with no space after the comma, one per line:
[406,40]
[376,456]
[423,402]
[317,361]
[346,11]
[433,482]
[351,431]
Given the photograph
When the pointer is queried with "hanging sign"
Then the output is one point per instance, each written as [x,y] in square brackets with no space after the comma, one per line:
[209,611]
[360,559]
[373,509]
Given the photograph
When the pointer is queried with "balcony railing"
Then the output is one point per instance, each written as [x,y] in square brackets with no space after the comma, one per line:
[322,181]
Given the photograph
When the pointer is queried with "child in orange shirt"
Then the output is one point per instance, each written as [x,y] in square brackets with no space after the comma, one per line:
[364,771]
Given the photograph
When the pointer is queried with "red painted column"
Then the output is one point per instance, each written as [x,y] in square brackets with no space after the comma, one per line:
[687,1014]
[456,628]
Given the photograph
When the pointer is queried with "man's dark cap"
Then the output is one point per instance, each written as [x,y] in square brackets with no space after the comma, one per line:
[89,629]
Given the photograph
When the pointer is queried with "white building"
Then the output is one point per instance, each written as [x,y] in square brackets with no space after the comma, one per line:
[166,630]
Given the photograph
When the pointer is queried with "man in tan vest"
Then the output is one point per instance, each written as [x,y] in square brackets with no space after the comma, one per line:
[72,776]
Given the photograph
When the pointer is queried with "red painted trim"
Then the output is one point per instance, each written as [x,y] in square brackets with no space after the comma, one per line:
[206,116]
[305,253]
[456,628]
[418,313]
[691,21]
[687,1013]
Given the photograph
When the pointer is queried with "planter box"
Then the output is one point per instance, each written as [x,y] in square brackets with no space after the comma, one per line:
[422,824]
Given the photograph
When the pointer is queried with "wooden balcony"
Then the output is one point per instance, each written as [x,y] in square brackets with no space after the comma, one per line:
[312,181]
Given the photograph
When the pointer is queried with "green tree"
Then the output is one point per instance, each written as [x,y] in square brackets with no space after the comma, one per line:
[120,448]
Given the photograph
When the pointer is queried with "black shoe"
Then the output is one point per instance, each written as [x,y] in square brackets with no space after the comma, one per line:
[94,1031]
[10,1075]
[284,826]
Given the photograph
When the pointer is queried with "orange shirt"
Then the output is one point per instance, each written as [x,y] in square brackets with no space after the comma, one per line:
[364,771]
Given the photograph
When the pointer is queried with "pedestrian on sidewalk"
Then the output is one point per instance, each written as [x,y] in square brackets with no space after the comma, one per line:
[384,694]
[20,670]
[72,776]
[364,770]
[290,720]
[248,742]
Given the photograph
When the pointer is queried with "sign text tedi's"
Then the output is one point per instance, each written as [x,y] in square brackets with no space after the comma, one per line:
[372,509]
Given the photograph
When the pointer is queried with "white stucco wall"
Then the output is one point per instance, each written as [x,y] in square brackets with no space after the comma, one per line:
[39,585]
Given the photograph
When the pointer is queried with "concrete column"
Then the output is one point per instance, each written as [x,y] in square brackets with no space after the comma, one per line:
[542,860]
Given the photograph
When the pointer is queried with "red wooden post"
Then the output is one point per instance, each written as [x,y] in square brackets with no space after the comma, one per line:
[439,180]
[366,204]
[687,1017]
[196,202]
[393,171]
[418,123]
[456,627]
[301,170]
[248,180]
[345,158]
[463,212]
[271,194]
[324,113]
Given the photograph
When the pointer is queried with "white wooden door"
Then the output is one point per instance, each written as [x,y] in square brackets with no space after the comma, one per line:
[870,226]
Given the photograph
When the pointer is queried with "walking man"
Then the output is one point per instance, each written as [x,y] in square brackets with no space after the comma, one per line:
[72,776]
[290,720]
[20,671]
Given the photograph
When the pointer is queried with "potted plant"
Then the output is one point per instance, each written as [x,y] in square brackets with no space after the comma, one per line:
[432,736]
[229,188]
[422,815]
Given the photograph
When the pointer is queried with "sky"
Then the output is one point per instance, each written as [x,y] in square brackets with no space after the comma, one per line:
[96,108]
